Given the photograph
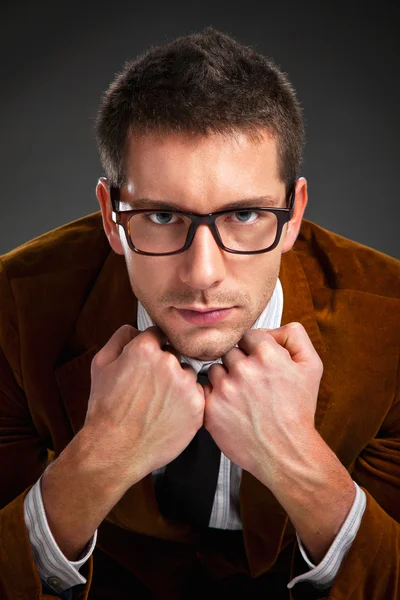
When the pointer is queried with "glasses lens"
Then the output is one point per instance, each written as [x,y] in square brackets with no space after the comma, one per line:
[162,232]
[247,230]
[159,232]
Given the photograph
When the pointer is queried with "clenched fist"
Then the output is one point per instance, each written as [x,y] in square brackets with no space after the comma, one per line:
[261,403]
[144,406]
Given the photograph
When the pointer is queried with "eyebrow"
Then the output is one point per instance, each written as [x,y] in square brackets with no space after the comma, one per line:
[259,201]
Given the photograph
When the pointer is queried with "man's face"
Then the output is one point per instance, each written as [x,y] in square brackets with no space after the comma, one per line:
[203,174]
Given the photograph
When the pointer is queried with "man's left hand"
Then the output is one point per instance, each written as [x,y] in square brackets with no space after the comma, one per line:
[260,409]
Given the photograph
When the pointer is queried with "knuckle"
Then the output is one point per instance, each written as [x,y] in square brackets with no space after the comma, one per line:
[146,346]
[226,387]
[319,365]
[170,360]
[264,347]
[295,326]
[243,368]
[197,402]
[185,381]
[187,378]
[125,332]
[316,364]
[96,361]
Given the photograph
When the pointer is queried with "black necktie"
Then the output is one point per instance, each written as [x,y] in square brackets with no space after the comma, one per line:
[185,492]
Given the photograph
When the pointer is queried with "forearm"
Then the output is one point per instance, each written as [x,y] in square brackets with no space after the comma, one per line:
[78,492]
[316,491]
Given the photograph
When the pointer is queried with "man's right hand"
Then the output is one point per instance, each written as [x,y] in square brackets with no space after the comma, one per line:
[144,409]
[144,406]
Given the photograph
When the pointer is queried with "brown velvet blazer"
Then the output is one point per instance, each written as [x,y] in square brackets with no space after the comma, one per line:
[63,295]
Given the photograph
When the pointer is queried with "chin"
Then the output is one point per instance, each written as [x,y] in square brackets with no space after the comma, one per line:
[202,357]
[202,349]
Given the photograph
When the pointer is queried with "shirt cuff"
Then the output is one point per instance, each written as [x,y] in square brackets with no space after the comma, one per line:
[323,575]
[53,567]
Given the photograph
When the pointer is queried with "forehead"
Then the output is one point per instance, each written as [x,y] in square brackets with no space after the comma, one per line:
[202,168]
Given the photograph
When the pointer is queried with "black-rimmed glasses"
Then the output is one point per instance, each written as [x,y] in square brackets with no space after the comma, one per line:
[240,231]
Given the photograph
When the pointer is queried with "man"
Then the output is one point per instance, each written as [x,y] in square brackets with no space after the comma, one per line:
[123,473]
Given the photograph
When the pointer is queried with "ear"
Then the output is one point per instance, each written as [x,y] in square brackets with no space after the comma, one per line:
[111,229]
[293,227]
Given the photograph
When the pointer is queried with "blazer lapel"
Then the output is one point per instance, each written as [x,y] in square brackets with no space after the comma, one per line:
[109,305]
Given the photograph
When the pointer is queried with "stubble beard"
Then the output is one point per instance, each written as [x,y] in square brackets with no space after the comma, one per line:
[210,343]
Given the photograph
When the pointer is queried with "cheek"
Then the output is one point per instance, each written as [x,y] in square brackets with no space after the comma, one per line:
[257,271]
[263,279]
[149,278]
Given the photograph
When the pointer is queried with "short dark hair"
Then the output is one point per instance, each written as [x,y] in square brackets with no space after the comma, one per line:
[200,84]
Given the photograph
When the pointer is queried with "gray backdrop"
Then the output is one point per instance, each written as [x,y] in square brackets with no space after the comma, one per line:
[58,57]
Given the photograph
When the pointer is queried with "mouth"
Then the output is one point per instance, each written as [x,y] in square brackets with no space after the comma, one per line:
[202,316]
[205,309]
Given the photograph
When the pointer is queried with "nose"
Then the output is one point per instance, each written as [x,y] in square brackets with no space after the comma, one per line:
[203,263]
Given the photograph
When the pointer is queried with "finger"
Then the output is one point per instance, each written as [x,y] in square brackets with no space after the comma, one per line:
[172,350]
[115,345]
[295,339]
[216,372]
[234,356]
[265,341]
[155,334]
[152,339]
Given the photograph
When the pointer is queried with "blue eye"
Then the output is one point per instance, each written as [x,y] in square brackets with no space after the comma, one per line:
[164,220]
[245,216]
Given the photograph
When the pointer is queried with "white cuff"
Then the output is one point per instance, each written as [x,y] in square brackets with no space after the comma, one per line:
[53,567]
[323,575]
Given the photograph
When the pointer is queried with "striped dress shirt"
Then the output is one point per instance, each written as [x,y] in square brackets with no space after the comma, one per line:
[59,574]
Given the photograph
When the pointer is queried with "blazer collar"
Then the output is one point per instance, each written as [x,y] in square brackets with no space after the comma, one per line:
[111,303]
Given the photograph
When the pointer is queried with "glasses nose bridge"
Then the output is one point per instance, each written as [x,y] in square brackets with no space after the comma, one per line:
[208,220]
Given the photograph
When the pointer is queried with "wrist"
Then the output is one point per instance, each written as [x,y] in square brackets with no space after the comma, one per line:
[92,464]
[284,461]
[311,471]
[78,492]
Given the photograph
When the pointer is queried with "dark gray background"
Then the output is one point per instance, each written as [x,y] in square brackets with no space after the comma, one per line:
[58,57]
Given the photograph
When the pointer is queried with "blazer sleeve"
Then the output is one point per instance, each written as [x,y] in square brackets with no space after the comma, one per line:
[23,458]
[371,568]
